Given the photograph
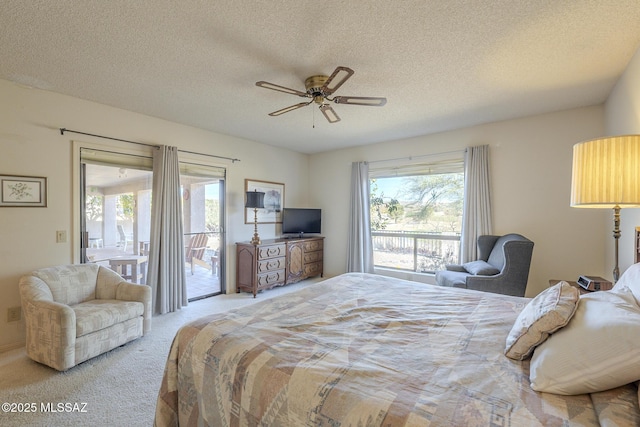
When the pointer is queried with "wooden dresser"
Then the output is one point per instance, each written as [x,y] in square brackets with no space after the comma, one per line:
[277,262]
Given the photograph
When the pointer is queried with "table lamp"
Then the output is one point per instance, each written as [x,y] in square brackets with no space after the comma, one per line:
[255,201]
[606,174]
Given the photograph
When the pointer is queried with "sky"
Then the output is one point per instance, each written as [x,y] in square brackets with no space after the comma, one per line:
[389,187]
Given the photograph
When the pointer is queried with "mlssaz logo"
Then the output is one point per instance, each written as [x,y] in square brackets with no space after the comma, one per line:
[63,407]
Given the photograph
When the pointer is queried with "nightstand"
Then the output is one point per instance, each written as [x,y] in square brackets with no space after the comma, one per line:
[572,283]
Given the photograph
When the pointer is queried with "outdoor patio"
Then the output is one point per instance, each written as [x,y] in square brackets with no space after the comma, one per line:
[203,282]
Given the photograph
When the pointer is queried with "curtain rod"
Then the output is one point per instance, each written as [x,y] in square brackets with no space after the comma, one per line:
[418,157]
[63,130]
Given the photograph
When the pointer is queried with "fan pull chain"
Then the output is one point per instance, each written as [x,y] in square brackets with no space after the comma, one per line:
[313,122]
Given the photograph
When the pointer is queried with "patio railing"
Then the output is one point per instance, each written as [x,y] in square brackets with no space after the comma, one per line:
[418,252]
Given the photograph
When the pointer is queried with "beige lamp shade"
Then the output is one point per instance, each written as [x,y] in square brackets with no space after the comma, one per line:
[606,173]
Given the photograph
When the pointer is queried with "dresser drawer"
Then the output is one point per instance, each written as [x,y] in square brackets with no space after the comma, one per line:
[271,278]
[273,251]
[313,269]
[272,264]
[312,256]
[314,245]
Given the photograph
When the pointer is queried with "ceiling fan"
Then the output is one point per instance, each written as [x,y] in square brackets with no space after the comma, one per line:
[320,88]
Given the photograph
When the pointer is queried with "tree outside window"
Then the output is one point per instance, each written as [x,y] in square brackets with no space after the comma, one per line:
[94,207]
[125,206]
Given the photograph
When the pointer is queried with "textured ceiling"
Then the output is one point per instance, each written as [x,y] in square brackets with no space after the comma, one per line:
[442,64]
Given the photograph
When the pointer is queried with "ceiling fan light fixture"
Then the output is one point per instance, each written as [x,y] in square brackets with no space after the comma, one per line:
[320,88]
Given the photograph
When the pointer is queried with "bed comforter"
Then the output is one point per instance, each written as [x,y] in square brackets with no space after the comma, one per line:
[367,350]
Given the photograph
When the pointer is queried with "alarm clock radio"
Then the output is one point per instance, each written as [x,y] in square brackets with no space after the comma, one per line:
[594,283]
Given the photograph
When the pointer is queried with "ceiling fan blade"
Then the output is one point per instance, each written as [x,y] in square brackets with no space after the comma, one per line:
[279,88]
[335,80]
[329,113]
[360,100]
[290,108]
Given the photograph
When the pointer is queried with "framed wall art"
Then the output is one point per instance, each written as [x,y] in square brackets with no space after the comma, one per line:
[273,201]
[23,191]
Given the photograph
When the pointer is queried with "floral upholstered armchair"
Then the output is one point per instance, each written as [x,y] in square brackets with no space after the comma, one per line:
[76,312]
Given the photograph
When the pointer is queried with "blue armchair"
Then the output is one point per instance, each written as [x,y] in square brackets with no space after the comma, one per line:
[502,266]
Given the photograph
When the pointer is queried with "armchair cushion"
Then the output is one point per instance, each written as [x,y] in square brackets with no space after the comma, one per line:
[98,314]
[481,267]
[455,279]
[69,285]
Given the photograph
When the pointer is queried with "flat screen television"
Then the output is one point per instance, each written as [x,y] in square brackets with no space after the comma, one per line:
[301,221]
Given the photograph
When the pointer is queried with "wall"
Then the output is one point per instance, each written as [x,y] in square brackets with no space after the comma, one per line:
[623,118]
[31,144]
[531,177]
[530,160]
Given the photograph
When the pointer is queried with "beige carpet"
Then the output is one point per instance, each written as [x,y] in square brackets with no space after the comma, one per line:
[118,388]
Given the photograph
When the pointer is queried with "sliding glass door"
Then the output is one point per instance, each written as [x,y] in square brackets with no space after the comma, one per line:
[203,209]
[116,197]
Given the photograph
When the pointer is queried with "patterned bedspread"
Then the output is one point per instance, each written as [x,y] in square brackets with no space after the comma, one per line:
[367,350]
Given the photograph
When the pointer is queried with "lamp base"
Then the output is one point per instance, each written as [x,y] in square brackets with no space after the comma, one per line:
[256,238]
[616,237]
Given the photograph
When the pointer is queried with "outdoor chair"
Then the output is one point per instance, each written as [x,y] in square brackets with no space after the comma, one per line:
[123,239]
[194,253]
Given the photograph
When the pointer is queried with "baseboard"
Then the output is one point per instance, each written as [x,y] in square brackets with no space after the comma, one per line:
[11,346]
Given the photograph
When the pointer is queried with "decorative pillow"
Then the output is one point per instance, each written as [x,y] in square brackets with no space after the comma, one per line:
[455,267]
[549,311]
[598,350]
[481,267]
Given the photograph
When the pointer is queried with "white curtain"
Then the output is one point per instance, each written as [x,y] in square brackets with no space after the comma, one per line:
[476,219]
[166,274]
[359,245]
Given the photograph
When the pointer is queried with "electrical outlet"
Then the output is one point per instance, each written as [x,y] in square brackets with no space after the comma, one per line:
[14,314]
[61,236]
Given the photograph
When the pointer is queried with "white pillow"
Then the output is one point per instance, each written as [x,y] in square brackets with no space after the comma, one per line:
[630,279]
[549,311]
[598,350]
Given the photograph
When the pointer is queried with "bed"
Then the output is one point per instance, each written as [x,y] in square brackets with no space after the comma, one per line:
[368,350]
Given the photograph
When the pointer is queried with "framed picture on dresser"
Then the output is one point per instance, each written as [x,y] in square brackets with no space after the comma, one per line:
[273,201]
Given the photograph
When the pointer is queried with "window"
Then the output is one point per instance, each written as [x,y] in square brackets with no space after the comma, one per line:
[416,215]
